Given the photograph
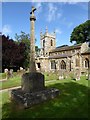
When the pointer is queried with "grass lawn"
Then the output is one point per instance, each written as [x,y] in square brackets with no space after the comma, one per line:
[2,76]
[16,80]
[71,103]
[12,82]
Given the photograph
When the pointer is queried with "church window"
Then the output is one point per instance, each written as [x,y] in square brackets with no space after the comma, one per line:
[70,65]
[86,63]
[38,64]
[43,43]
[51,42]
[53,64]
[63,65]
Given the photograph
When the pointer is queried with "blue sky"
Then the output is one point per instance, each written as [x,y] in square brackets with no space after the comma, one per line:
[61,17]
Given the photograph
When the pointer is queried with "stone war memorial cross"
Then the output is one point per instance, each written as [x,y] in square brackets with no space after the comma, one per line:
[32,41]
[33,90]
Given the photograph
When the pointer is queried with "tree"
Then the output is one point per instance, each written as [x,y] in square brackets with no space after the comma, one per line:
[12,54]
[81,33]
[25,38]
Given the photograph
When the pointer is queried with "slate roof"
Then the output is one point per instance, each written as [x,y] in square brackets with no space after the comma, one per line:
[66,48]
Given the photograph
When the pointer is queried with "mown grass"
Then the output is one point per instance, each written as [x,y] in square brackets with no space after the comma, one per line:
[71,103]
[16,80]
[12,82]
[2,76]
[51,76]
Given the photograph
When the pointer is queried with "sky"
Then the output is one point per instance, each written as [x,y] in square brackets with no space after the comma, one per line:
[61,17]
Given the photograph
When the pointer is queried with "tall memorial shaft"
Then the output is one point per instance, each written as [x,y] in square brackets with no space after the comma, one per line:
[33,90]
[32,41]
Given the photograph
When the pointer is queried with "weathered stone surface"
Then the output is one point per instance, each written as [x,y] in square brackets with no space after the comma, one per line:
[28,99]
[33,81]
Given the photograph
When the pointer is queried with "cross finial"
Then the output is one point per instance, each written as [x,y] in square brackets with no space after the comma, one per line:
[33,9]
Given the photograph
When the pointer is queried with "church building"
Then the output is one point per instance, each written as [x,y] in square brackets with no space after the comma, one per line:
[63,59]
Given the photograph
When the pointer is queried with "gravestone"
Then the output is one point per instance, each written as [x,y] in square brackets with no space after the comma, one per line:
[11,72]
[33,90]
[77,74]
[6,72]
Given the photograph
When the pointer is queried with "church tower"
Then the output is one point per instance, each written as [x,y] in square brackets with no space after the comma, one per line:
[48,42]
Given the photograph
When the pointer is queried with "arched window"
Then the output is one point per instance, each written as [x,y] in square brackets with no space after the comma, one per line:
[63,65]
[86,63]
[43,43]
[53,64]
[51,42]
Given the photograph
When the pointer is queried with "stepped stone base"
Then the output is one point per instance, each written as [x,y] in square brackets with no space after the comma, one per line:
[33,90]
[29,99]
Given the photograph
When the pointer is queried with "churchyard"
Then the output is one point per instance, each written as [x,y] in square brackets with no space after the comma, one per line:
[33,94]
[72,101]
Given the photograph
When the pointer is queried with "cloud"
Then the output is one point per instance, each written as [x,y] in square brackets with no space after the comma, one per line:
[6,29]
[58,31]
[53,12]
[38,7]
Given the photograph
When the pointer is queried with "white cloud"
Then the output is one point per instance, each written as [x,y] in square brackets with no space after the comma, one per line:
[6,29]
[53,12]
[58,31]
[38,7]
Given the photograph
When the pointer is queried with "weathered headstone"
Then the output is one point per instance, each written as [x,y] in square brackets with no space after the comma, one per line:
[77,74]
[61,77]
[33,88]
[11,72]
[6,72]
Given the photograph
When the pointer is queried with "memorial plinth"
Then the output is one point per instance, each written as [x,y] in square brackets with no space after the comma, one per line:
[32,82]
[28,99]
[33,90]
